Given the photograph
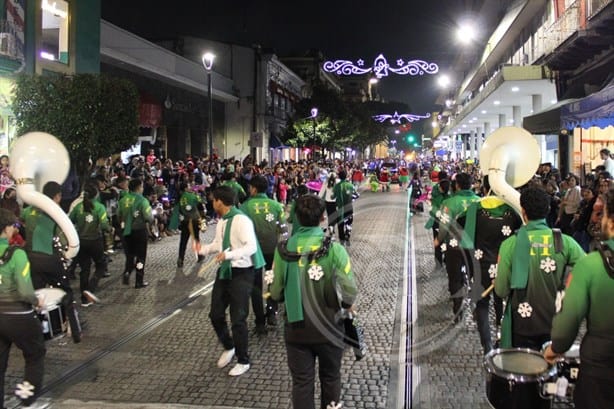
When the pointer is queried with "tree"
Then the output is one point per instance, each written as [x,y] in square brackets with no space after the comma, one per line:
[93,115]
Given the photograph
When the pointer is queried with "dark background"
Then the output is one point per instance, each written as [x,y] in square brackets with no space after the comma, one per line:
[341,29]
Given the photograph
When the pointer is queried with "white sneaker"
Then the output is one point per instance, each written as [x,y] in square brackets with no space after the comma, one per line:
[239,369]
[225,358]
[91,297]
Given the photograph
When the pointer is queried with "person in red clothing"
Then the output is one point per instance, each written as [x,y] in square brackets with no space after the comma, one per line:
[357,178]
[384,179]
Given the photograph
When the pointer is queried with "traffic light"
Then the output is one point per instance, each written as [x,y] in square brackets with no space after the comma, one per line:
[411,138]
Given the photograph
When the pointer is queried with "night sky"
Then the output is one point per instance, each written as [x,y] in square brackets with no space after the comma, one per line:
[341,29]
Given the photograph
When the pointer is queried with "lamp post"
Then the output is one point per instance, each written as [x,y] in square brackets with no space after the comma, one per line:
[208,64]
[314,114]
[372,82]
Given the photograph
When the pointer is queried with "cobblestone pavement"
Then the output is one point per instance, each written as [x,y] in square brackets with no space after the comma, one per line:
[155,347]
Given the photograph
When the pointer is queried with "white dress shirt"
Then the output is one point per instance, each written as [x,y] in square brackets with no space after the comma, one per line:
[243,242]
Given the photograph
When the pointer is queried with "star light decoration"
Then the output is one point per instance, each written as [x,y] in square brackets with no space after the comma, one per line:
[381,67]
[396,117]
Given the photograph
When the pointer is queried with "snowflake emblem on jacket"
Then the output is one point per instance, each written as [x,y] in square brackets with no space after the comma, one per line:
[525,310]
[478,254]
[445,218]
[268,277]
[188,208]
[136,214]
[548,265]
[89,218]
[492,270]
[139,266]
[453,243]
[315,272]
[269,217]
[443,247]
[506,230]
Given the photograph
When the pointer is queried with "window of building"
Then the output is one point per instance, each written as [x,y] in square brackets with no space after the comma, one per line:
[54,34]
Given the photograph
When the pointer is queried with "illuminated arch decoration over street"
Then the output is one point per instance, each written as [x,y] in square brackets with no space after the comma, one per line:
[381,67]
[396,118]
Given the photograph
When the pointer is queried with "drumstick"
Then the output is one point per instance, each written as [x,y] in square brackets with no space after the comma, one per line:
[488,290]
[201,271]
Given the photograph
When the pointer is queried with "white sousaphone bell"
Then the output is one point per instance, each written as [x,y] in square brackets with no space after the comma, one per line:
[510,157]
[38,158]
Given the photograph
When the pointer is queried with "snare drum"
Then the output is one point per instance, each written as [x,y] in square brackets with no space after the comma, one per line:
[52,316]
[568,367]
[515,378]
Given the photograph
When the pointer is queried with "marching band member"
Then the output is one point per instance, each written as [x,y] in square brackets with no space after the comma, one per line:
[588,295]
[238,253]
[19,324]
[307,282]
[530,271]
[45,263]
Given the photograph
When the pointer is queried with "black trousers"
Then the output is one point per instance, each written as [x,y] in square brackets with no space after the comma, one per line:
[49,270]
[88,251]
[456,259]
[271,306]
[233,293]
[593,392]
[301,362]
[344,225]
[25,331]
[135,247]
[185,235]
[331,213]
[438,252]
[483,319]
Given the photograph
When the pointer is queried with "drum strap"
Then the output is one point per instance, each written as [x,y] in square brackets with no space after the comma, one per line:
[608,258]
[8,254]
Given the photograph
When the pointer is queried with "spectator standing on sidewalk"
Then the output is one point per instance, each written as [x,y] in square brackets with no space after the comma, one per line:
[309,272]
[588,296]
[238,253]
[530,272]
[608,162]
[270,225]
[19,323]
[326,193]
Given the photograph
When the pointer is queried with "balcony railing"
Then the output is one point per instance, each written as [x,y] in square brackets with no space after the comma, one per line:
[11,45]
[562,28]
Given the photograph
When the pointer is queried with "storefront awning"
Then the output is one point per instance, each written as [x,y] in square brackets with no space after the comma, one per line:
[596,109]
[547,121]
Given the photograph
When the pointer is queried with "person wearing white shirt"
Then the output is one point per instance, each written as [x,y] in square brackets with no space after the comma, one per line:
[608,162]
[234,246]
[326,193]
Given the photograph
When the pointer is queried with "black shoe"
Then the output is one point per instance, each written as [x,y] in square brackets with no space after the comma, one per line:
[271,320]
[126,278]
[260,329]
[76,338]
[141,285]
[180,262]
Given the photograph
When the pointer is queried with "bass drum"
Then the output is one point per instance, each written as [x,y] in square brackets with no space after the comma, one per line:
[515,378]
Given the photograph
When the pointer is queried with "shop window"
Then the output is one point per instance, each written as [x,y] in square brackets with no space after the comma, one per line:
[54,38]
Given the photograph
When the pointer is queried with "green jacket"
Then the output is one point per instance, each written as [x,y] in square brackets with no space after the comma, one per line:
[134,212]
[15,280]
[40,231]
[269,220]
[320,282]
[588,296]
[342,193]
[90,225]
[189,206]
[239,191]
[546,273]
[452,209]
[437,198]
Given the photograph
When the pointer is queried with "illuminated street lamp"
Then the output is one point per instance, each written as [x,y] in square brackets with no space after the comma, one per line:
[466,34]
[372,82]
[314,114]
[208,64]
